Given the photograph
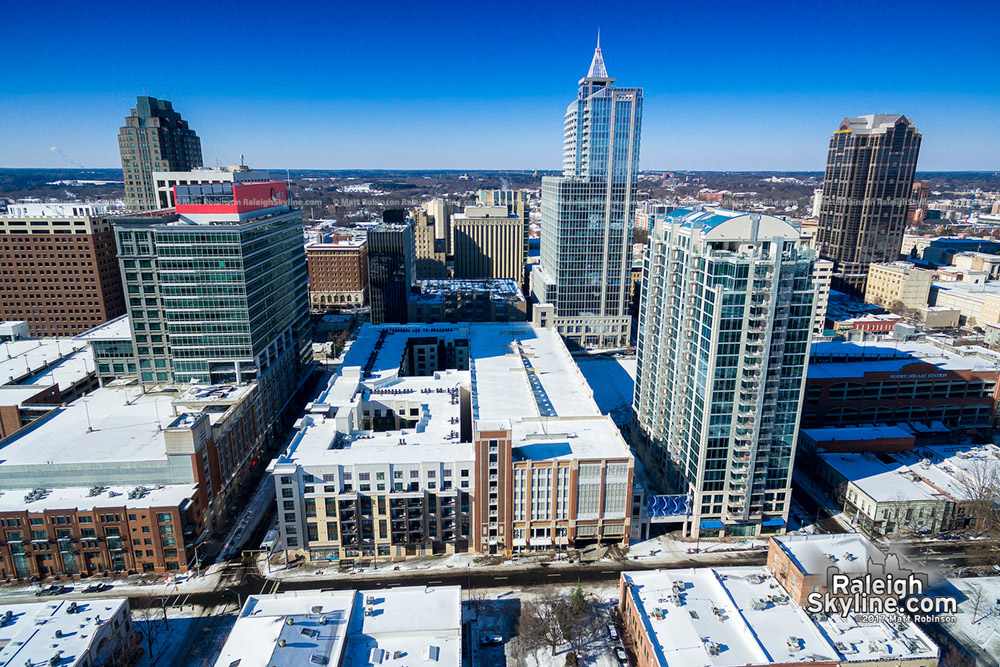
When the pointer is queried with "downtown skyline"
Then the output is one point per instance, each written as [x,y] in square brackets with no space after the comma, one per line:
[334,95]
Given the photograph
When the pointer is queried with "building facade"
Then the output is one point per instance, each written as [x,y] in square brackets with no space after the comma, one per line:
[467,301]
[866,192]
[58,271]
[154,138]
[338,275]
[517,203]
[586,237]
[431,259]
[391,261]
[450,438]
[725,321]
[164,181]
[898,284]
[488,243]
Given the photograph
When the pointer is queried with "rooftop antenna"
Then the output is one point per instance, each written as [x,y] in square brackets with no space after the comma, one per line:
[242,161]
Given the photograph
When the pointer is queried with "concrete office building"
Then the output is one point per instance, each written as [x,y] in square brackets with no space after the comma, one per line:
[516,202]
[451,438]
[338,274]
[898,284]
[725,321]
[441,211]
[586,237]
[164,181]
[866,192]
[391,262]
[58,271]
[431,261]
[154,138]
[488,243]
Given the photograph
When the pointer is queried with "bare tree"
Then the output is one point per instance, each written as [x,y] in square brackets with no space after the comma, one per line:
[539,624]
[126,652]
[981,482]
[150,622]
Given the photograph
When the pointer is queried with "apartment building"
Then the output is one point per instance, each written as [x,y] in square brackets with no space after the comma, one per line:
[898,284]
[58,271]
[71,633]
[725,320]
[450,438]
[338,274]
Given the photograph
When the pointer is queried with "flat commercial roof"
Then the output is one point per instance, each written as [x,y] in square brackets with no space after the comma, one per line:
[519,376]
[86,499]
[116,329]
[834,359]
[42,629]
[98,427]
[815,554]
[731,617]
[62,361]
[355,627]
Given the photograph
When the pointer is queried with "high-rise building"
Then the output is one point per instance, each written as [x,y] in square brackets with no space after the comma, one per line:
[917,210]
[338,274]
[442,210]
[647,211]
[724,327]
[154,138]
[431,258]
[217,292]
[488,243]
[391,259]
[866,191]
[164,181]
[58,270]
[586,234]
[516,202]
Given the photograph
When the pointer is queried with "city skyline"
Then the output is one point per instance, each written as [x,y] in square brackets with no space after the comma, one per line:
[465,107]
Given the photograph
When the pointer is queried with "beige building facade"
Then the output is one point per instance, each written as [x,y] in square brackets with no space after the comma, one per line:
[898,283]
[488,243]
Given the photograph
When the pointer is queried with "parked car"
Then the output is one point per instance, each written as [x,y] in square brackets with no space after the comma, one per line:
[490,640]
[54,589]
[622,657]
[98,588]
[612,630]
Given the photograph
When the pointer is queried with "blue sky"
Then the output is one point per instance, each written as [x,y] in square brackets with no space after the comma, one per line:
[742,85]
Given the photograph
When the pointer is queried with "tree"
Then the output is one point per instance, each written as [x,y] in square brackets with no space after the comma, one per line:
[150,621]
[981,482]
[539,623]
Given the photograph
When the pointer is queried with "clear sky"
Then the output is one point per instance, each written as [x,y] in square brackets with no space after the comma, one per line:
[412,85]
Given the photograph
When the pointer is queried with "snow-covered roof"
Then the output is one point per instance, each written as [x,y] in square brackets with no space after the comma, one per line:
[835,359]
[347,628]
[86,498]
[38,631]
[116,329]
[520,375]
[815,554]
[62,361]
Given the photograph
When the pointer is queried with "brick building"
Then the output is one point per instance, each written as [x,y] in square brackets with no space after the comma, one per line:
[58,270]
[338,274]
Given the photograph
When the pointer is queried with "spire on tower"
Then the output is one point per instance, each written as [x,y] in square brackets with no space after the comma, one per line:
[598,72]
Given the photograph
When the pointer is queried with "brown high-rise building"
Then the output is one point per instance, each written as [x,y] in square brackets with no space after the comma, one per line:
[154,138]
[58,270]
[431,260]
[338,274]
[866,192]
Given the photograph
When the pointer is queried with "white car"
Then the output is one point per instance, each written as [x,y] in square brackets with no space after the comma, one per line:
[621,655]
[612,630]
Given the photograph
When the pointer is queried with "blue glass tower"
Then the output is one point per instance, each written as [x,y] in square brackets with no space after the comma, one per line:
[586,237]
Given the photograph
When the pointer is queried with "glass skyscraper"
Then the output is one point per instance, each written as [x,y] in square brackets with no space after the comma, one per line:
[586,238]
[723,343]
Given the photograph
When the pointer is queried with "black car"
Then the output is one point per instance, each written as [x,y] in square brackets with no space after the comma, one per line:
[54,589]
[97,588]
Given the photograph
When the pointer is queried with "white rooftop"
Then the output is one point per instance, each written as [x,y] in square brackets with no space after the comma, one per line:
[856,359]
[521,377]
[399,626]
[86,499]
[815,554]
[116,329]
[40,630]
[730,617]
[48,361]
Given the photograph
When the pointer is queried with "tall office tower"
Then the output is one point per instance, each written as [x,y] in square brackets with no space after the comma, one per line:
[516,202]
[58,270]
[391,260]
[586,236]
[442,210]
[917,210]
[217,292]
[724,327]
[866,191]
[488,243]
[431,258]
[154,138]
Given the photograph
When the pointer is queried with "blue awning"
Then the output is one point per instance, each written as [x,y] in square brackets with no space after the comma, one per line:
[773,522]
[711,524]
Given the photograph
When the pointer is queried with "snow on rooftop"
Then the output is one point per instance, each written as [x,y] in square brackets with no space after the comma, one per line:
[725,617]
[116,329]
[518,374]
[347,628]
[815,554]
[833,359]
[85,499]
[38,631]
[62,361]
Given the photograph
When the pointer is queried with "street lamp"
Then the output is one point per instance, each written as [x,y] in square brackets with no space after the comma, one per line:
[239,599]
